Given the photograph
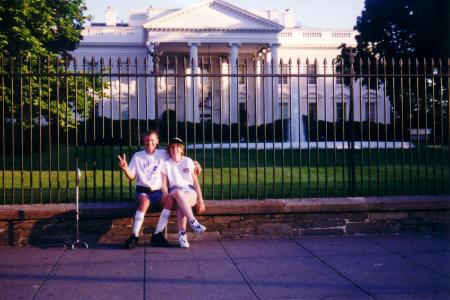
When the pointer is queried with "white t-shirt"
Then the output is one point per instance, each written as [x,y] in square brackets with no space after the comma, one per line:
[179,174]
[147,168]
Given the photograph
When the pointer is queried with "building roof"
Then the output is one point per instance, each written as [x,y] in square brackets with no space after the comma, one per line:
[212,15]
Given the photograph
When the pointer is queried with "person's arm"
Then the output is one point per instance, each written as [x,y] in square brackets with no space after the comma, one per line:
[200,202]
[164,187]
[124,166]
[197,168]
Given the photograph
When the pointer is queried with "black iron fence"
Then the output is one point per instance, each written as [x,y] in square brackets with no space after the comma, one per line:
[287,129]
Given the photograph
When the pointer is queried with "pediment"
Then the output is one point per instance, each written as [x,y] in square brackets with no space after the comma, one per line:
[212,15]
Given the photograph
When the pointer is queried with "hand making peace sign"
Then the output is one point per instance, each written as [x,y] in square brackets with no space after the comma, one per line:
[123,162]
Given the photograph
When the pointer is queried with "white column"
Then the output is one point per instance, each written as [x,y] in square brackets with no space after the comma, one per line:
[259,100]
[295,117]
[224,87]
[268,95]
[193,84]
[234,80]
[275,70]
[150,105]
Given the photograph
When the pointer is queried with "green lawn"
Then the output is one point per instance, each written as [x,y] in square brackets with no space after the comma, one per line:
[233,174]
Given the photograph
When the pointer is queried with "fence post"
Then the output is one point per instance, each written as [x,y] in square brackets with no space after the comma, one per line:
[350,56]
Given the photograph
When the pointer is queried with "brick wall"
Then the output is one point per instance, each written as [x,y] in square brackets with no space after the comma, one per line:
[112,223]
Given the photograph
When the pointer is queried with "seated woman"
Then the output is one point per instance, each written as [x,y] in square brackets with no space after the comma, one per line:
[180,183]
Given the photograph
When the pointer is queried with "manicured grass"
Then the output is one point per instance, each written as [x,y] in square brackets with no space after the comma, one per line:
[231,183]
[231,174]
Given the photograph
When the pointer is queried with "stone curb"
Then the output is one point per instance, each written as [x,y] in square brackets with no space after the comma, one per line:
[238,207]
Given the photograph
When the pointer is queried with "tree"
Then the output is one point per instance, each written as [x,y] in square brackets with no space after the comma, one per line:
[404,28]
[405,37]
[36,37]
[40,27]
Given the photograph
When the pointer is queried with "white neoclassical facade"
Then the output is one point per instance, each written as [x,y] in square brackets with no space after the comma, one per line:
[220,38]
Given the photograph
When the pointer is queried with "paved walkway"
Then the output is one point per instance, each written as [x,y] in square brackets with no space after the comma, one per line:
[361,267]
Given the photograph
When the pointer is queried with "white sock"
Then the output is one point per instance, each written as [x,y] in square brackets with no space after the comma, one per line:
[163,220]
[138,221]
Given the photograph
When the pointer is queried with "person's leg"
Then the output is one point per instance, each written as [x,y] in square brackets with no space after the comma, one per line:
[181,222]
[167,207]
[143,205]
[185,201]
[158,238]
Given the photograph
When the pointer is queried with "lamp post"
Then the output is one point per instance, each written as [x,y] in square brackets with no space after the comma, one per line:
[156,54]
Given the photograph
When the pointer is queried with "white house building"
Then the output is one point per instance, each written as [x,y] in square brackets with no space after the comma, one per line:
[223,39]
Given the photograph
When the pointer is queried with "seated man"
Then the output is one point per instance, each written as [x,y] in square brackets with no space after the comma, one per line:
[145,167]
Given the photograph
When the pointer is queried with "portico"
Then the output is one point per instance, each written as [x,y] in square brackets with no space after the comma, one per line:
[203,50]
[232,35]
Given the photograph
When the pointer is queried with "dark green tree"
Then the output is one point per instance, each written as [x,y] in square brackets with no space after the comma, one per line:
[36,37]
[405,37]
[40,27]
[404,28]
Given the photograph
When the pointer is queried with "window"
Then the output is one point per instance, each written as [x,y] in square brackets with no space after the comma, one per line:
[207,101]
[312,110]
[242,116]
[340,111]
[242,70]
[124,110]
[206,79]
[312,72]
[93,67]
[371,112]
[167,79]
[284,108]
[339,78]
[283,79]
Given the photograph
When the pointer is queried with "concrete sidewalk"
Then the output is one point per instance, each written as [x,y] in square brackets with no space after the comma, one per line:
[359,267]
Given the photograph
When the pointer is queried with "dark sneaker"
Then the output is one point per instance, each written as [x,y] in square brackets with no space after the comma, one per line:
[131,242]
[159,240]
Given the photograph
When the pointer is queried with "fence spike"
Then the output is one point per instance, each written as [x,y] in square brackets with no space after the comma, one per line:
[424,65]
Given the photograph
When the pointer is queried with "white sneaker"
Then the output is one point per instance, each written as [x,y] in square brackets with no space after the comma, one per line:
[196,226]
[182,239]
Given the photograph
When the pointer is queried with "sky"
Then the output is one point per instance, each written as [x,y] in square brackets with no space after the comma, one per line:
[308,13]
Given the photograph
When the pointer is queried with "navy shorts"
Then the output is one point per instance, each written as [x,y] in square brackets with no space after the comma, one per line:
[154,198]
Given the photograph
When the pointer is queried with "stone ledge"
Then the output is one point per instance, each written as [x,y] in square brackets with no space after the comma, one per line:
[238,207]
[112,222]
